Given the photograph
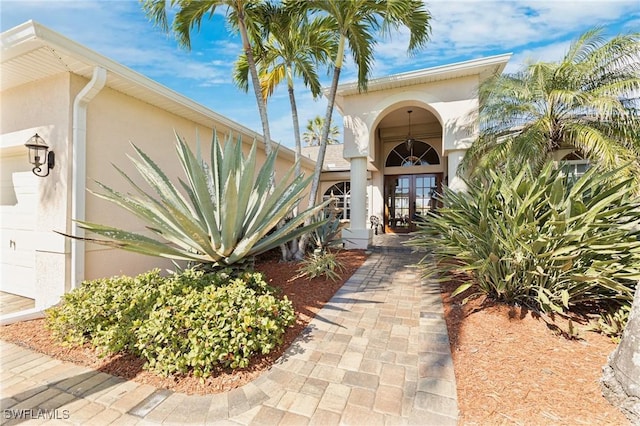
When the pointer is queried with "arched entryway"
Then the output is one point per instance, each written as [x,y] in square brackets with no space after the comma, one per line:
[410,143]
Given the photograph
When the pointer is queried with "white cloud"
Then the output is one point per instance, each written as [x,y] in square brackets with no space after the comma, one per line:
[549,53]
[469,28]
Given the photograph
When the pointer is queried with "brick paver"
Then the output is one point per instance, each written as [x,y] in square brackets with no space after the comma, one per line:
[377,353]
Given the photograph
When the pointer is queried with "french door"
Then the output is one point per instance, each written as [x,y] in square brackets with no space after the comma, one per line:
[408,198]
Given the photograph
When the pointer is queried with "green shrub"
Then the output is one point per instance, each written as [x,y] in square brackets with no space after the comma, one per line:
[319,264]
[534,240]
[199,330]
[104,312]
[186,322]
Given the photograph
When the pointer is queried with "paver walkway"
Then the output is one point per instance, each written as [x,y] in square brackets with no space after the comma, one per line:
[376,354]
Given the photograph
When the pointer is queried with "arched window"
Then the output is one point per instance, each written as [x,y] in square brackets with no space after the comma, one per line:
[419,154]
[342,192]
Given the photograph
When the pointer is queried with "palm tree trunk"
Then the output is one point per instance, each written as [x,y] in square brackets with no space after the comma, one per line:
[255,82]
[621,375]
[315,183]
[294,246]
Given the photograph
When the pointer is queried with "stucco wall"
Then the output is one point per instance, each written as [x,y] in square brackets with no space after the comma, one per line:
[32,207]
[451,101]
[114,119]
[41,107]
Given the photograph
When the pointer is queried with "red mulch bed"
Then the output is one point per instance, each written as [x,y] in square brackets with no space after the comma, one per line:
[515,367]
[512,367]
[307,296]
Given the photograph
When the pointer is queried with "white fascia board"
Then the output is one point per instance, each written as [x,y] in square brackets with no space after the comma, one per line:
[442,72]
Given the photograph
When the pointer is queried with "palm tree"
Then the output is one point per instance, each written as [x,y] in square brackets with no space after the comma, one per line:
[241,15]
[314,132]
[356,23]
[587,102]
[287,47]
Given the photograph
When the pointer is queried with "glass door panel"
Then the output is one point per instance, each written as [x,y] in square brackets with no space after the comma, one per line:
[425,188]
[399,203]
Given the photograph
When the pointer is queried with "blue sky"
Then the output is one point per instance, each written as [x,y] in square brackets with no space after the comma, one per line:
[461,30]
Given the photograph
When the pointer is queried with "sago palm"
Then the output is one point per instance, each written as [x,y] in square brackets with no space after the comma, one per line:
[222,214]
[587,102]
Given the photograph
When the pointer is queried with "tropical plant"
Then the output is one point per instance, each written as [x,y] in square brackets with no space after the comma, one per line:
[327,235]
[533,240]
[314,132]
[225,218]
[587,102]
[355,24]
[287,46]
[241,14]
[613,321]
[189,322]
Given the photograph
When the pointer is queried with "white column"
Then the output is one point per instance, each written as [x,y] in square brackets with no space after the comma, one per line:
[358,236]
[455,182]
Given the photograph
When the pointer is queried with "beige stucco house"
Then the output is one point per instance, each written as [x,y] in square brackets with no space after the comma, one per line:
[87,108]
[403,139]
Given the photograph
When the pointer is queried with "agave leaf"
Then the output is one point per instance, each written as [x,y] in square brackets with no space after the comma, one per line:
[198,187]
[133,242]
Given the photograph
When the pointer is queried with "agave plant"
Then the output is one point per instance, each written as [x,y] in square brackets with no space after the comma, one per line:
[224,214]
[327,235]
[535,240]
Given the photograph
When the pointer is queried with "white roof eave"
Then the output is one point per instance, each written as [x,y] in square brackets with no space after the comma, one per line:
[482,66]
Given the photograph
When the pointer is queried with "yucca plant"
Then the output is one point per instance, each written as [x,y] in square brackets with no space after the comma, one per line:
[223,215]
[534,240]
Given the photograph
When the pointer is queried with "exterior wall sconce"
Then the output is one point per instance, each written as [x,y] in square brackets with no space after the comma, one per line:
[40,155]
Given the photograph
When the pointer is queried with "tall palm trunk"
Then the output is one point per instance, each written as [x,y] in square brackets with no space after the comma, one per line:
[290,251]
[255,82]
[324,137]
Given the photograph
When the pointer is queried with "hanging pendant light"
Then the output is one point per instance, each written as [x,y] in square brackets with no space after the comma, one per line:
[409,140]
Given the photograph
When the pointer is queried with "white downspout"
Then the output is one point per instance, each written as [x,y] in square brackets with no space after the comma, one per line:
[79,170]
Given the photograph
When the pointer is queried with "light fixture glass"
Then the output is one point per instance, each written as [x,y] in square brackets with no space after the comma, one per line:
[40,155]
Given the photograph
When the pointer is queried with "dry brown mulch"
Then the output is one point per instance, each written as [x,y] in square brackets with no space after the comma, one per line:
[515,367]
[307,296]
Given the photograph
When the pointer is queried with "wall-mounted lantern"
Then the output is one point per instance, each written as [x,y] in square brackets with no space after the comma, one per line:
[40,155]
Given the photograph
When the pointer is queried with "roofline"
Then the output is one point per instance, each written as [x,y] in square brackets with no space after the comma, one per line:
[434,73]
[35,34]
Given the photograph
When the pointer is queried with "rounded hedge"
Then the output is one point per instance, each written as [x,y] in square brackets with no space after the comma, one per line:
[184,323]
